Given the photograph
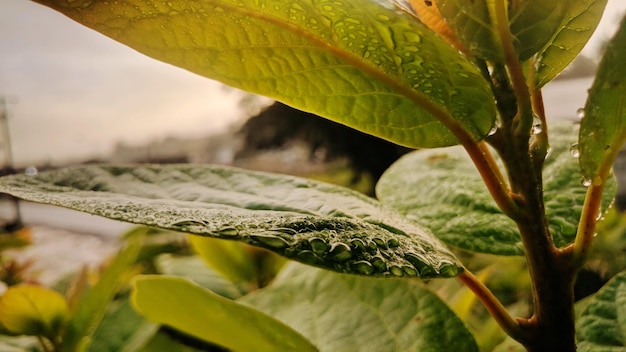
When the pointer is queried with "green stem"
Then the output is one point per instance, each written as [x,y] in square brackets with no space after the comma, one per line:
[493,305]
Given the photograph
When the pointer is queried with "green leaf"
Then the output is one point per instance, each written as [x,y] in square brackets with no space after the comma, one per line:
[193,268]
[340,312]
[122,330]
[473,24]
[181,304]
[28,309]
[312,222]
[92,304]
[441,190]
[354,62]
[577,26]
[533,23]
[603,129]
[602,324]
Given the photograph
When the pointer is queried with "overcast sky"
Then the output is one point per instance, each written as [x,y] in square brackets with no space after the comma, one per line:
[74,92]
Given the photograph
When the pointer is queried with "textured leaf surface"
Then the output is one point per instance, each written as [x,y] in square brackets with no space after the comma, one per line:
[442,190]
[312,222]
[533,23]
[181,304]
[349,313]
[473,24]
[352,61]
[577,26]
[602,325]
[603,129]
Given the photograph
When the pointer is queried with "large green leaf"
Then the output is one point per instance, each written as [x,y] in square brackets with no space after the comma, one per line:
[473,24]
[313,222]
[354,62]
[533,23]
[441,190]
[576,27]
[340,312]
[602,324]
[603,129]
[181,304]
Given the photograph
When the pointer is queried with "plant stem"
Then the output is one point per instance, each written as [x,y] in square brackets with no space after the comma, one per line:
[493,305]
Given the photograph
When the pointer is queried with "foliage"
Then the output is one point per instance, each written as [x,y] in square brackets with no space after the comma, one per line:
[424,74]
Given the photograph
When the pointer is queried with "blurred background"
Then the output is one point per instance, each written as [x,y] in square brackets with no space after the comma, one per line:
[71,95]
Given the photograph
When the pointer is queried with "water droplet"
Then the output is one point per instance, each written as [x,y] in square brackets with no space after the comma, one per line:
[363,267]
[340,252]
[357,244]
[380,242]
[396,270]
[379,264]
[493,131]
[409,271]
[573,150]
[448,270]
[270,240]
[586,182]
[393,243]
[580,113]
[372,247]
[31,171]
[318,245]
[536,129]
[228,231]
[308,257]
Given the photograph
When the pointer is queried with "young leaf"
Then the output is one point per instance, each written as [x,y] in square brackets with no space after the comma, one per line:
[602,324]
[603,129]
[350,313]
[354,62]
[441,190]
[308,221]
[92,304]
[576,27]
[185,306]
[27,309]
[533,23]
[474,26]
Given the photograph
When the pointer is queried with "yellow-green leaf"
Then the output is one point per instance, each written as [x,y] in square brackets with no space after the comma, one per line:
[33,310]
[352,61]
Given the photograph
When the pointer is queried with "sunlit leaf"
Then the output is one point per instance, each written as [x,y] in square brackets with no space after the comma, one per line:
[441,190]
[308,221]
[33,310]
[339,312]
[473,23]
[579,23]
[532,23]
[603,129]
[181,304]
[602,324]
[352,61]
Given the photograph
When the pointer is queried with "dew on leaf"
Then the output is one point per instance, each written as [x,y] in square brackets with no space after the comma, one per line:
[357,244]
[308,257]
[580,113]
[573,150]
[372,247]
[270,240]
[340,252]
[586,182]
[363,267]
[380,242]
[379,264]
[396,270]
[31,171]
[393,243]
[409,270]
[318,245]
[228,231]
[536,129]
